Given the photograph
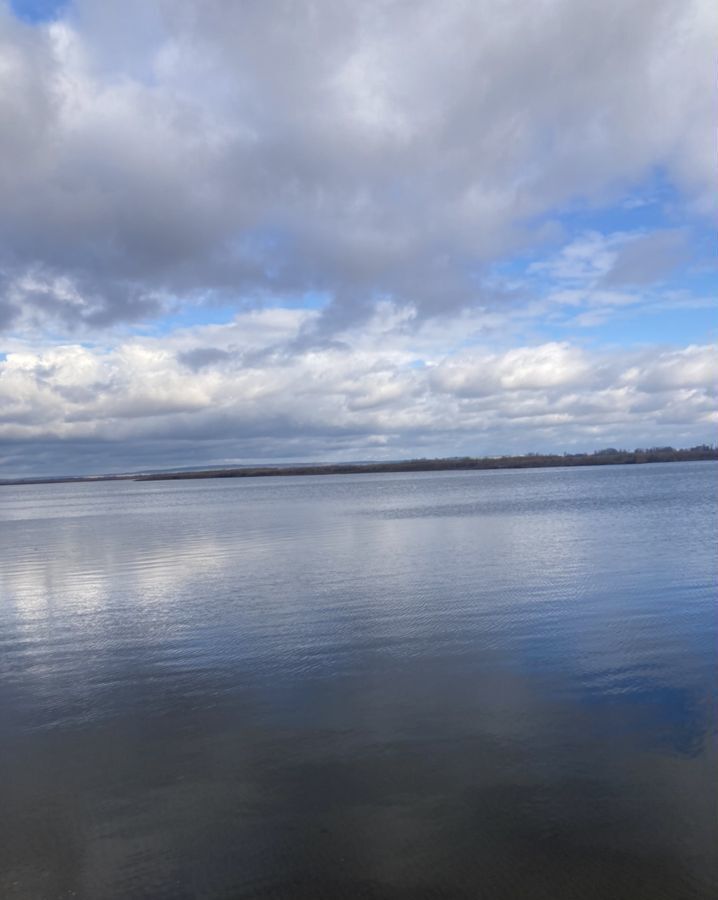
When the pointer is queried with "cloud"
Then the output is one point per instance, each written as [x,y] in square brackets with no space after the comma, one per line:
[596,260]
[219,393]
[598,274]
[240,153]
[648,258]
[203,356]
[522,369]
[693,368]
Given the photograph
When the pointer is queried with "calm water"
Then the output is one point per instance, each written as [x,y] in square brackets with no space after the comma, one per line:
[492,685]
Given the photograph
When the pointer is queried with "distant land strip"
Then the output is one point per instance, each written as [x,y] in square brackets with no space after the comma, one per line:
[608,457]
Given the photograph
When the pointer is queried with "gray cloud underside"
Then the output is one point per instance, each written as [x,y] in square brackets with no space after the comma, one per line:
[155,154]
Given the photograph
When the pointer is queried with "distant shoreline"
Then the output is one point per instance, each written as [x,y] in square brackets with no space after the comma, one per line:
[609,457]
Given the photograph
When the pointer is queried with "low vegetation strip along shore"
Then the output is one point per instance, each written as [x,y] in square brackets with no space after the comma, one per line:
[529,461]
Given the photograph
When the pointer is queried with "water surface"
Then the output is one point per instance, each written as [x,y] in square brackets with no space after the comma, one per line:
[490,685]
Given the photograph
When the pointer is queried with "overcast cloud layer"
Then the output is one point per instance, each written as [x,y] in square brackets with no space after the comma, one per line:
[307,230]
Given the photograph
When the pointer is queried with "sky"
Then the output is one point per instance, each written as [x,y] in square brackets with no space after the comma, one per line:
[234,232]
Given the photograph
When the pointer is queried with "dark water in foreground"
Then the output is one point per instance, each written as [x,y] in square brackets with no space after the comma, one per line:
[490,685]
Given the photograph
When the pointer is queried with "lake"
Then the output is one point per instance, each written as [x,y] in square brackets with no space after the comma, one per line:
[494,685]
